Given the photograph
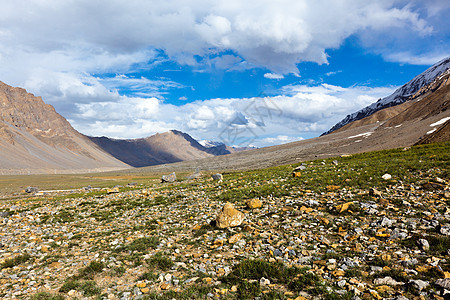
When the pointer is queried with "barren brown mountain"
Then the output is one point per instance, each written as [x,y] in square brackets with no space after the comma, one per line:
[162,148]
[34,138]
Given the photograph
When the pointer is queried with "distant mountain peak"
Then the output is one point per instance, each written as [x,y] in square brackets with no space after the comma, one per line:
[210,144]
[400,96]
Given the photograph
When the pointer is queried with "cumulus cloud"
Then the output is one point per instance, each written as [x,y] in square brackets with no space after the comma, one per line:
[272,34]
[74,55]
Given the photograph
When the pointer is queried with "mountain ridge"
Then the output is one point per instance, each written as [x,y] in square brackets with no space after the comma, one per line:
[401,95]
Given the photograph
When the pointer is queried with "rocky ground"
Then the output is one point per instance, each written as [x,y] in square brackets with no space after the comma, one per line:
[371,226]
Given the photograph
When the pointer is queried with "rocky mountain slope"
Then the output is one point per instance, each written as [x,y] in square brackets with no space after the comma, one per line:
[34,138]
[400,96]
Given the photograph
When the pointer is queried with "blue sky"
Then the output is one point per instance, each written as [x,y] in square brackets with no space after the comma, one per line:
[268,72]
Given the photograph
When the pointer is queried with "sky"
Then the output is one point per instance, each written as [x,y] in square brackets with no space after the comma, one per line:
[247,73]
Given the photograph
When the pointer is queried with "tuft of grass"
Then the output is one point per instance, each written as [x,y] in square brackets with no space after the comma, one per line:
[397,274]
[117,271]
[141,244]
[89,272]
[353,272]
[255,269]
[248,290]
[438,244]
[88,287]
[304,281]
[160,262]
[247,274]
[203,230]
[150,276]
[46,296]
[378,261]
[12,262]
[69,285]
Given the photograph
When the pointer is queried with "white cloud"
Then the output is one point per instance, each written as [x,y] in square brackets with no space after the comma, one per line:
[273,76]
[280,139]
[417,59]
[87,36]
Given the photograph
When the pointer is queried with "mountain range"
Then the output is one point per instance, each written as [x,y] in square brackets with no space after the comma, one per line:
[161,148]
[34,138]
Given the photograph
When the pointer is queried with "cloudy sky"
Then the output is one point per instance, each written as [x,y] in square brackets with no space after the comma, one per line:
[243,72]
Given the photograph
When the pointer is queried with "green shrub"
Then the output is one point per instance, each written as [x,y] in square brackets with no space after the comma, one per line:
[12,262]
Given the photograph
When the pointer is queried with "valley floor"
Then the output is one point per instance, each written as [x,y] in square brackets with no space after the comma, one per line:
[336,230]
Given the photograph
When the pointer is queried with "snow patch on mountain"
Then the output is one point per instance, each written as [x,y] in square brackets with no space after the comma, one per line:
[210,144]
[440,122]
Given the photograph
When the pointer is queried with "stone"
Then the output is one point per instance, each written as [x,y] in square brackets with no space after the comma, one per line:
[300,168]
[55,265]
[375,193]
[333,187]
[4,214]
[423,244]
[263,281]
[386,281]
[443,283]
[235,238]
[385,222]
[169,178]
[296,174]
[254,203]
[311,203]
[419,284]
[217,177]
[229,217]
[113,190]
[343,207]
[383,289]
[445,229]
[195,175]
[386,176]
[277,252]
[31,189]
[338,273]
